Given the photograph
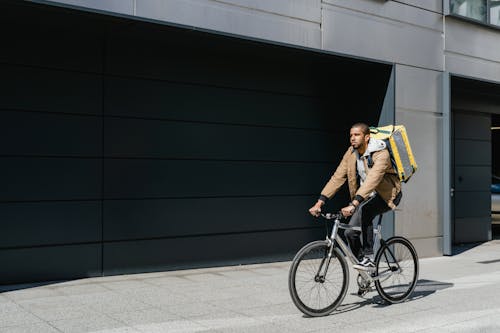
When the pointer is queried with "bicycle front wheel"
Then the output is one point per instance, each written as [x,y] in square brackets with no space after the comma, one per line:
[318,283]
[396,270]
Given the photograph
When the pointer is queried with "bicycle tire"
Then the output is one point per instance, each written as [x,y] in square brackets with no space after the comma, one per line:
[303,274]
[399,256]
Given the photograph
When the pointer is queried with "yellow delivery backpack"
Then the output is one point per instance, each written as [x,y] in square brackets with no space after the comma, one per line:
[399,148]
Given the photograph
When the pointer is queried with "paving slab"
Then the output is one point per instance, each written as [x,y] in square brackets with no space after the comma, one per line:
[96,323]
[12,314]
[30,328]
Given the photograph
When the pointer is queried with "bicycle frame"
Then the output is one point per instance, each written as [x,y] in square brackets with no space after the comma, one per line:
[334,238]
[317,289]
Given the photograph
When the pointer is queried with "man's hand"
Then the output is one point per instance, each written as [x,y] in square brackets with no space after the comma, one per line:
[349,210]
[316,209]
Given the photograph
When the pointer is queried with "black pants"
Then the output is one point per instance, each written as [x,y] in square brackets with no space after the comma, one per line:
[363,217]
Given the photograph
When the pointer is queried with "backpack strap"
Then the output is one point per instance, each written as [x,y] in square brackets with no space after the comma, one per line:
[369,160]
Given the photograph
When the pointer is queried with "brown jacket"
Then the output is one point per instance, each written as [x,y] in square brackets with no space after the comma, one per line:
[381,177]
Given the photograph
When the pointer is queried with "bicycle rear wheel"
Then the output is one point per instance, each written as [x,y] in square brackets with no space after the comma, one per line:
[397,270]
[318,283]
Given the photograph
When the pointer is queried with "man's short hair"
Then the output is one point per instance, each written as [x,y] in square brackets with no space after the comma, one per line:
[363,127]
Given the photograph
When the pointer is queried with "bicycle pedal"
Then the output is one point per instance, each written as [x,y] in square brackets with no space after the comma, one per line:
[363,292]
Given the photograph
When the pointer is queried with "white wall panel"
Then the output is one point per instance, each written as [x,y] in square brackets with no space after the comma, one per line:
[418,89]
[400,33]
[115,6]
[466,65]
[393,10]
[309,10]
[432,5]
[472,50]
[233,19]
[428,247]
[420,214]
[418,94]
[472,40]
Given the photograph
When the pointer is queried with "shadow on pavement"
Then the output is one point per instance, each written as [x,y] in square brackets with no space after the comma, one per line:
[14,287]
[461,248]
[424,288]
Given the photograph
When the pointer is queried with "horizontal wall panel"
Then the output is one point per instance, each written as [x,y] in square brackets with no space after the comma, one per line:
[469,66]
[171,139]
[428,247]
[31,178]
[432,5]
[309,10]
[396,33]
[35,89]
[167,100]
[114,6]
[247,19]
[49,223]
[472,178]
[50,263]
[474,42]
[171,58]
[137,219]
[156,255]
[475,229]
[483,103]
[471,126]
[395,10]
[472,204]
[425,91]
[468,152]
[36,133]
[59,40]
[193,178]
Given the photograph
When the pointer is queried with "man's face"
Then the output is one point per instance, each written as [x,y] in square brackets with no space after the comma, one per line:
[357,138]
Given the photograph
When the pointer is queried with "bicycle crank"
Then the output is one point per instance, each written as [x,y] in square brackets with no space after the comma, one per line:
[363,285]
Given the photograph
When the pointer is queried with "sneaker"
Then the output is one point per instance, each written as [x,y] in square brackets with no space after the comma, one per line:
[365,265]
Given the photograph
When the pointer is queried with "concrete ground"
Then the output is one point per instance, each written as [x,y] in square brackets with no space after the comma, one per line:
[455,294]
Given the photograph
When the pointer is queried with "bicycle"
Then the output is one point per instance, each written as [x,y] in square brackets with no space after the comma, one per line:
[320,266]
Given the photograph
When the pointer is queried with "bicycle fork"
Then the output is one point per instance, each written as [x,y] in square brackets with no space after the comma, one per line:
[320,277]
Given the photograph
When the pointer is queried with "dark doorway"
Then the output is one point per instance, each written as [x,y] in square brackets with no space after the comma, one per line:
[474,104]
[495,175]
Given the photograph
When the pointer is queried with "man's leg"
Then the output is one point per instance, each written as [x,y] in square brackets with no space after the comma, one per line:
[353,237]
[373,207]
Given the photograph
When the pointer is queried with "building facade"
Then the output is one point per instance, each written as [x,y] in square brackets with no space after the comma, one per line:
[158,134]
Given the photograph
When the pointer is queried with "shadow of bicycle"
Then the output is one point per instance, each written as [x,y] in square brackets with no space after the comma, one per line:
[423,289]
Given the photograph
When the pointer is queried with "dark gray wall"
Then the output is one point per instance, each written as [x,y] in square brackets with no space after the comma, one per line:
[495,146]
[136,147]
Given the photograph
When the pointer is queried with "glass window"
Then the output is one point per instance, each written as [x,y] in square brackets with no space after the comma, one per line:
[475,9]
[495,12]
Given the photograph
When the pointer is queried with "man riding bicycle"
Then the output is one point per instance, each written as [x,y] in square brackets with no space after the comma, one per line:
[374,188]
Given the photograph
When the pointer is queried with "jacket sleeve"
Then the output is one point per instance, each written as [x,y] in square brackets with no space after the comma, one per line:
[381,162]
[338,179]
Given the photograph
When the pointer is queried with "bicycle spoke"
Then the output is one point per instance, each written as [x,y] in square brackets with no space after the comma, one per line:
[398,262]
[319,281]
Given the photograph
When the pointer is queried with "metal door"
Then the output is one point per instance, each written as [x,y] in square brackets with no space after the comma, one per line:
[472,176]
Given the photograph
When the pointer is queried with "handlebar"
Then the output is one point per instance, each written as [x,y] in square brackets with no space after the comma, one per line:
[333,216]
[339,216]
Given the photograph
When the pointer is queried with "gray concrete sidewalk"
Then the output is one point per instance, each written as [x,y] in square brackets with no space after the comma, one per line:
[455,294]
